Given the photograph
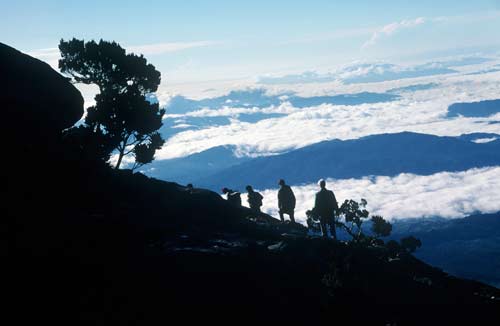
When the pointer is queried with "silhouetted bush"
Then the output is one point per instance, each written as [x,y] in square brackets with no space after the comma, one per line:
[380,227]
[352,215]
[410,243]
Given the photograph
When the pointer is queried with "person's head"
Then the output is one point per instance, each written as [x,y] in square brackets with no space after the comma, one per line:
[225,190]
[249,188]
[322,183]
[189,185]
[281,182]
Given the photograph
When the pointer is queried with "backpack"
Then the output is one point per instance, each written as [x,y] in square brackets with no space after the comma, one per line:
[258,199]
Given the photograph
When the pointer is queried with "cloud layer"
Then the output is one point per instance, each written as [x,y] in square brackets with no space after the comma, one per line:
[445,194]
[422,110]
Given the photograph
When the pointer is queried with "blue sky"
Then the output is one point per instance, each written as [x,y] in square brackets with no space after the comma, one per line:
[204,40]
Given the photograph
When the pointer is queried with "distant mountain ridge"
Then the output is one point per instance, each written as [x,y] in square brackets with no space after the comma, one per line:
[195,166]
[474,109]
[384,154]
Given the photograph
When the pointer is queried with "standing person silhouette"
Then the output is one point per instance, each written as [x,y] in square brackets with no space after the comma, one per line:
[325,206]
[286,201]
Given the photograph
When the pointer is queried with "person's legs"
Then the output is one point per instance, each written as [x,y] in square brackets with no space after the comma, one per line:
[281,216]
[291,216]
[324,227]
[333,231]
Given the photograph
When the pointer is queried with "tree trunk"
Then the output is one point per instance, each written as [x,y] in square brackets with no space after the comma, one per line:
[120,157]
[122,152]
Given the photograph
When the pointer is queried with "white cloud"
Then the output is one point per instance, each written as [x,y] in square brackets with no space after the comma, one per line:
[420,111]
[182,126]
[444,194]
[484,140]
[392,28]
[227,111]
[162,48]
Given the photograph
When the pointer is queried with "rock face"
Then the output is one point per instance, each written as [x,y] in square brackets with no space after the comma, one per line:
[36,103]
[34,96]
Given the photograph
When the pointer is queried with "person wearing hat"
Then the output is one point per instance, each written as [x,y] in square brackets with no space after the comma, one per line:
[325,206]
[286,201]
[254,199]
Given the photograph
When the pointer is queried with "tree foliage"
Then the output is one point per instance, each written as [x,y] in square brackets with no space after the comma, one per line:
[380,227]
[107,65]
[122,117]
[353,214]
[410,243]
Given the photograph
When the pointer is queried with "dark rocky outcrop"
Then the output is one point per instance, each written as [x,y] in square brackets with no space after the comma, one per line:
[34,96]
[91,245]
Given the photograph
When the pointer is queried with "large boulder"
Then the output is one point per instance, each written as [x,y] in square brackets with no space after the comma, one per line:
[34,97]
[36,104]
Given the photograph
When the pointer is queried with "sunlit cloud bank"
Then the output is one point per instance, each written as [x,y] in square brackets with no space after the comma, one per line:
[370,72]
[422,111]
[445,194]
[484,140]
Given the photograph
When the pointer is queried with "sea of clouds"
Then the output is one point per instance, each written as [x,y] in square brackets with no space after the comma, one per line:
[444,194]
[421,110]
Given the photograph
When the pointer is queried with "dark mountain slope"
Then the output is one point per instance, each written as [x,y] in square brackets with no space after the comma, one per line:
[468,247]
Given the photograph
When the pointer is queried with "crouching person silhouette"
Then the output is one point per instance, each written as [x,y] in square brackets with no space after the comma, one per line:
[325,207]
[233,197]
[286,201]
[254,199]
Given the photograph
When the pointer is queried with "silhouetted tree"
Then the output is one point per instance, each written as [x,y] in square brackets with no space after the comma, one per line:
[410,244]
[393,248]
[353,213]
[122,118]
[405,246]
[380,227]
